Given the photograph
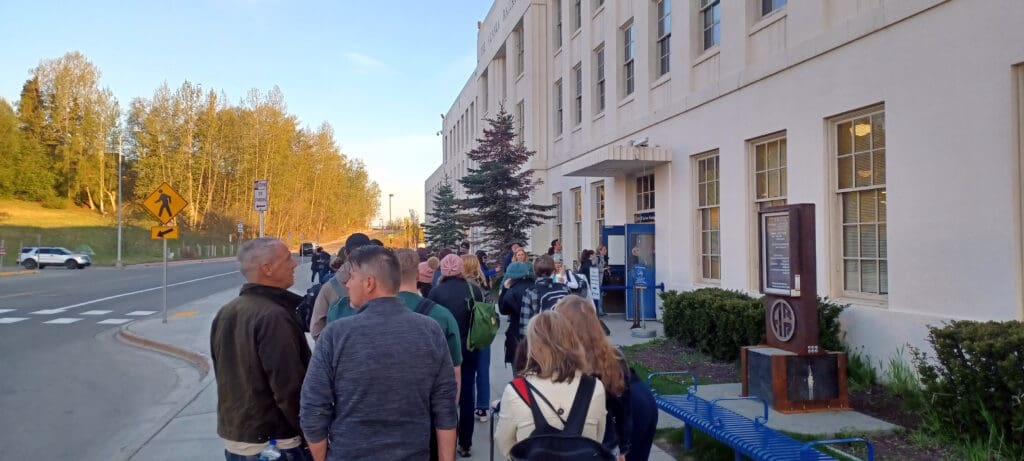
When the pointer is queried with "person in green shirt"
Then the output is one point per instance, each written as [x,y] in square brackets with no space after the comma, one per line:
[408,293]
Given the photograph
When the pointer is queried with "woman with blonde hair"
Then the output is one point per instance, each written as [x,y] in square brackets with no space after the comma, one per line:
[474,274]
[632,412]
[553,373]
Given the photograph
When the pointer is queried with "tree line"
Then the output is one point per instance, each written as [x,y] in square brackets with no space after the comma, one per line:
[59,145]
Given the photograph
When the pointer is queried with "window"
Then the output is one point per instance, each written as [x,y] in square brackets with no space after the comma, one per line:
[598,190]
[628,53]
[577,201]
[558,24]
[599,76]
[770,174]
[556,200]
[577,14]
[708,216]
[558,107]
[711,14]
[578,107]
[520,42]
[860,161]
[645,192]
[768,6]
[520,122]
[664,35]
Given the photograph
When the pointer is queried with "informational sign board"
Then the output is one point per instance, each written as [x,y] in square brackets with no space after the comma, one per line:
[164,203]
[163,232]
[788,277]
[775,244]
[241,227]
[640,276]
[260,195]
[595,284]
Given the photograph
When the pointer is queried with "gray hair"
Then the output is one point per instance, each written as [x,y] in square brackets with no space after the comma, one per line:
[256,252]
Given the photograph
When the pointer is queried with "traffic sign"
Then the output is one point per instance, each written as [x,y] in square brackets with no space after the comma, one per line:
[164,203]
[3,251]
[163,232]
[259,195]
[241,227]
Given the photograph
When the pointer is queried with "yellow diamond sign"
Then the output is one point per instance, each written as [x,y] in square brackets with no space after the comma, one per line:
[164,203]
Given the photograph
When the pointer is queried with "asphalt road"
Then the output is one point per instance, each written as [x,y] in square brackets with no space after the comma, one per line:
[68,389]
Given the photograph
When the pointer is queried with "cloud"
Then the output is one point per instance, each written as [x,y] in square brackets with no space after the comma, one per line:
[367,65]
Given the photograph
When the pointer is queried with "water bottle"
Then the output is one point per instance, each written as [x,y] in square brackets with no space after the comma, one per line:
[271,452]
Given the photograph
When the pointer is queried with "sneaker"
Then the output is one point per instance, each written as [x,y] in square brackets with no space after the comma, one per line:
[463,451]
[481,414]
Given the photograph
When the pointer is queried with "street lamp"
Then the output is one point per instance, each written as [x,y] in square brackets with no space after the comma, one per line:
[390,222]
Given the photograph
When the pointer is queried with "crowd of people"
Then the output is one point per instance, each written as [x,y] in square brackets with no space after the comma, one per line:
[398,380]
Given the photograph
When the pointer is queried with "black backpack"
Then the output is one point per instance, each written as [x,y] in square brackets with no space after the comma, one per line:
[304,311]
[550,295]
[548,443]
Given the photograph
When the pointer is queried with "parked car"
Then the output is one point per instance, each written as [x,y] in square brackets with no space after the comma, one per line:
[307,248]
[40,257]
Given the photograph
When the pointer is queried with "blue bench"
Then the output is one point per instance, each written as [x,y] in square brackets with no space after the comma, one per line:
[750,438]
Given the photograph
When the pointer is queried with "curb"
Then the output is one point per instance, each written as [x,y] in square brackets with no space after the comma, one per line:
[17,273]
[182,262]
[201,362]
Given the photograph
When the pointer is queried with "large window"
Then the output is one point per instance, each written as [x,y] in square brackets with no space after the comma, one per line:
[520,122]
[645,193]
[768,6]
[860,167]
[577,219]
[558,23]
[520,43]
[600,82]
[711,16]
[577,114]
[558,107]
[664,35]
[556,200]
[770,173]
[628,66]
[598,191]
[709,217]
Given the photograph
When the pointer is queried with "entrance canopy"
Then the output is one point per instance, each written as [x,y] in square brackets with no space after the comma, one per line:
[618,161]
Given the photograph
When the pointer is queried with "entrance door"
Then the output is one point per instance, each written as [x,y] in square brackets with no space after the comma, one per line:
[640,250]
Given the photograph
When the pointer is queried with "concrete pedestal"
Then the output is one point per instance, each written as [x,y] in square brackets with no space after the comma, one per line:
[795,383]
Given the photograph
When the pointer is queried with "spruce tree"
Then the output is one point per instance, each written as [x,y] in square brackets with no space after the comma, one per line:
[443,229]
[498,190]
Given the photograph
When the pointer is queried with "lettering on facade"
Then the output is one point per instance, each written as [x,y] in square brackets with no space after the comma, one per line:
[782,320]
[496,27]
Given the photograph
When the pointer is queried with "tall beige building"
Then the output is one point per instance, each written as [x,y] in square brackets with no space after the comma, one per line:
[900,120]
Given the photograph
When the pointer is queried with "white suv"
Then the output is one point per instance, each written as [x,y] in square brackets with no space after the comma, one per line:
[40,257]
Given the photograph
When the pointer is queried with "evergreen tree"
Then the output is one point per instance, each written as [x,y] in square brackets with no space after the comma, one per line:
[498,190]
[443,230]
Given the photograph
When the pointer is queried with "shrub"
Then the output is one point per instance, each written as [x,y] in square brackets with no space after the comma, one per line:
[974,385]
[719,322]
[55,203]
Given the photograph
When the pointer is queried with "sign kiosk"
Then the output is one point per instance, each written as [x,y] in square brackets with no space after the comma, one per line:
[791,371]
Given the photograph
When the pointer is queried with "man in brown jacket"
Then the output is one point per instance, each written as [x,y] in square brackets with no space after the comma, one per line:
[260,357]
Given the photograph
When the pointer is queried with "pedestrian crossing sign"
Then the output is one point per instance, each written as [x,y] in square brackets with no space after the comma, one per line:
[164,203]
[164,232]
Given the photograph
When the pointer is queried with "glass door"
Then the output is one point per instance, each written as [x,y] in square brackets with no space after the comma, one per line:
[639,251]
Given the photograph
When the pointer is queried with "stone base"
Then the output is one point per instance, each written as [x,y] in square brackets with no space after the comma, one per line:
[795,383]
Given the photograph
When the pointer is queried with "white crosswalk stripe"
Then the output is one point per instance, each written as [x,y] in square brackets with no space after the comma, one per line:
[4,320]
[4,311]
[140,313]
[95,312]
[63,321]
[48,312]
[113,321]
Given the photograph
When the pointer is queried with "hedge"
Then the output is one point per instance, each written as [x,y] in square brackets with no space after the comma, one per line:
[719,322]
[974,384]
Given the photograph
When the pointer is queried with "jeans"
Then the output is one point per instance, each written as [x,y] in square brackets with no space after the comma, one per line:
[467,399]
[483,379]
[291,454]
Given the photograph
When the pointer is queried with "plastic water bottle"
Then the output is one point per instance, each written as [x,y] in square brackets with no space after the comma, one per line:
[271,452]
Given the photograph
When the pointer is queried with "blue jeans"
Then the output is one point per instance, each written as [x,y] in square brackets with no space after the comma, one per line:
[291,454]
[483,379]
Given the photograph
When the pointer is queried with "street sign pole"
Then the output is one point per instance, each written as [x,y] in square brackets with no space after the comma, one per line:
[261,224]
[3,252]
[259,199]
[165,280]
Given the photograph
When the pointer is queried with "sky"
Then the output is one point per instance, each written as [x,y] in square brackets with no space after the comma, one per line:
[380,73]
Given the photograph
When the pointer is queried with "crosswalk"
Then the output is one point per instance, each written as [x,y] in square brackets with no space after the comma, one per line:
[64,317]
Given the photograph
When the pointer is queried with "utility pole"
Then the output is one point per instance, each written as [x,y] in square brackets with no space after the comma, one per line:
[390,222]
[120,144]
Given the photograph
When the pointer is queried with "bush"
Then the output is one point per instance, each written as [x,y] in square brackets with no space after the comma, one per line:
[974,385]
[719,322]
[55,203]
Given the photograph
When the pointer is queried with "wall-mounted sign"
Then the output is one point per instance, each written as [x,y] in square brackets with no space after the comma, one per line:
[646,217]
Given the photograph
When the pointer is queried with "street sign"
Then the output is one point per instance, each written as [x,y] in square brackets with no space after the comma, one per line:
[241,227]
[164,203]
[164,232]
[3,251]
[259,195]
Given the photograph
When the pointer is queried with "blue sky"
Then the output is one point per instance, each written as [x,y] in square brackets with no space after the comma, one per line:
[379,72]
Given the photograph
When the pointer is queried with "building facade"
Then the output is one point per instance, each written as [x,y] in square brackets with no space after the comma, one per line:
[900,120]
